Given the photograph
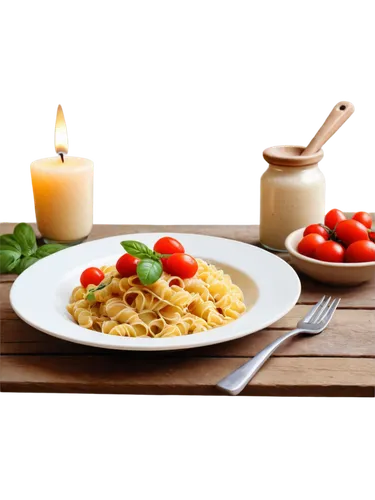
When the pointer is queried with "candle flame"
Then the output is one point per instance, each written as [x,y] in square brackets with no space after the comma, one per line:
[61,133]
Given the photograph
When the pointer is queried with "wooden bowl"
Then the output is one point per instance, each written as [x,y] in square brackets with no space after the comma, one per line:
[328,272]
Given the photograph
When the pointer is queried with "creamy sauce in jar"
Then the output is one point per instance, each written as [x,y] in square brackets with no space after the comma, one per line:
[292,194]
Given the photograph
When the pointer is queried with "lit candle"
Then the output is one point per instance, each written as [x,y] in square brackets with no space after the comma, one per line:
[63,192]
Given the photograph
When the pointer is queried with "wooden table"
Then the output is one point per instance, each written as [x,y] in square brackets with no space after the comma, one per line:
[339,362]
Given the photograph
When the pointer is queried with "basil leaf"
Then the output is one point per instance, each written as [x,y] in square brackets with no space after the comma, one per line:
[149,271]
[141,251]
[25,237]
[49,249]
[137,249]
[8,260]
[8,242]
[100,287]
[91,291]
[24,263]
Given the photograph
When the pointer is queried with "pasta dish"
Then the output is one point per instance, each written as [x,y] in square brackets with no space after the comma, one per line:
[170,306]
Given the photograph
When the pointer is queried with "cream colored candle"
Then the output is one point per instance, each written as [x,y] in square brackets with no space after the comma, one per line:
[63,196]
[63,192]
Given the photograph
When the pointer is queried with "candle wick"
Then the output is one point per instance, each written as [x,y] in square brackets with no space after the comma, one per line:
[62,157]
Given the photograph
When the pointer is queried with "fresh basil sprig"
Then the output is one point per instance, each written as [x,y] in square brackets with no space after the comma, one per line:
[141,251]
[149,269]
[19,250]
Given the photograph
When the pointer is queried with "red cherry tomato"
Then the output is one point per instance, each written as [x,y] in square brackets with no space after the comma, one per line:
[308,245]
[349,231]
[360,251]
[127,265]
[182,265]
[164,263]
[92,276]
[364,218]
[316,229]
[333,217]
[372,235]
[330,251]
[168,245]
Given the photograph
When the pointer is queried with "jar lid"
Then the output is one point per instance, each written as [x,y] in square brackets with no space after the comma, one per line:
[290,156]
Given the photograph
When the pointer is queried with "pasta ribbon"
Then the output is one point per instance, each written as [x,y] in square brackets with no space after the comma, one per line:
[81,313]
[125,330]
[118,311]
[197,287]
[141,299]
[78,293]
[207,311]
[109,271]
[173,294]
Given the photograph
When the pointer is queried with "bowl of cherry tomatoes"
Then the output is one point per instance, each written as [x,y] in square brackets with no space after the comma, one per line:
[339,252]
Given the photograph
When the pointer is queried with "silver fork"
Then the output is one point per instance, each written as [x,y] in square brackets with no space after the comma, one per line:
[313,323]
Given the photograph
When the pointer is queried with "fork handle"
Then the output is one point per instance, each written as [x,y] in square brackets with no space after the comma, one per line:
[235,382]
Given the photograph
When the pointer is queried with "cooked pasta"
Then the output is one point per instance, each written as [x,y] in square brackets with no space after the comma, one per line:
[169,307]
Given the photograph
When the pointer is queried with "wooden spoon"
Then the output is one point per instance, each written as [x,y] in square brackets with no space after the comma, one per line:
[335,119]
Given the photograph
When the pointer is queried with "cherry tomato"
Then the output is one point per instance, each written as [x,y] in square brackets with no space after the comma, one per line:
[308,245]
[316,229]
[333,217]
[372,235]
[91,276]
[349,231]
[164,263]
[182,265]
[364,218]
[360,251]
[168,245]
[127,265]
[330,251]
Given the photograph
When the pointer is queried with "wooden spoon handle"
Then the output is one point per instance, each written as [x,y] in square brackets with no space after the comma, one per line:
[335,119]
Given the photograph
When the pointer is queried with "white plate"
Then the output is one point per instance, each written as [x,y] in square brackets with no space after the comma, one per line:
[40,294]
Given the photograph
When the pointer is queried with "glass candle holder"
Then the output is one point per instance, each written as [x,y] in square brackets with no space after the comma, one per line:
[63,198]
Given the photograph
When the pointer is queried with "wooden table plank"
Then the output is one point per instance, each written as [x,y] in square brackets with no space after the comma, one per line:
[188,375]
